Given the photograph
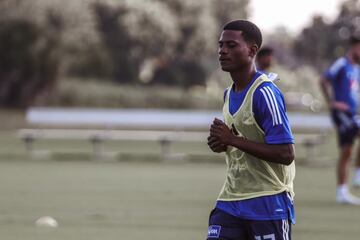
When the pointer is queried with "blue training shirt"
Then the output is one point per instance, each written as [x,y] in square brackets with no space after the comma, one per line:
[273,207]
[344,78]
[270,114]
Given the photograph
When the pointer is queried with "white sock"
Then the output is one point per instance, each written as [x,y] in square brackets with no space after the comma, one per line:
[342,189]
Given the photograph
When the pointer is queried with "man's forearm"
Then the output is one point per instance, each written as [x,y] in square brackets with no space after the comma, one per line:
[277,153]
[325,88]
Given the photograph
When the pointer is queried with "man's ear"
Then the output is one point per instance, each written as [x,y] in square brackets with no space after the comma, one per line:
[253,50]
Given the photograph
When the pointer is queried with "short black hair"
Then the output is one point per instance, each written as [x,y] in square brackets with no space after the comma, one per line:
[354,39]
[265,51]
[250,31]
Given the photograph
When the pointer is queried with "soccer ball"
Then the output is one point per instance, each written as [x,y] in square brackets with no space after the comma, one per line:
[46,221]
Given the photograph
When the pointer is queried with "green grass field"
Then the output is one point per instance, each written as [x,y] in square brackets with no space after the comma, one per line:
[124,200]
[136,196]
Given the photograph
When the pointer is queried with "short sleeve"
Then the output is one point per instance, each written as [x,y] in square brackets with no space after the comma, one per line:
[270,114]
[334,70]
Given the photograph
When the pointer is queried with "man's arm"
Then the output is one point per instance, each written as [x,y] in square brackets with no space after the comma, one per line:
[326,90]
[277,153]
[329,98]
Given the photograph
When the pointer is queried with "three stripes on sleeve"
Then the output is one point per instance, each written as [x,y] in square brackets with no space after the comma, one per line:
[272,105]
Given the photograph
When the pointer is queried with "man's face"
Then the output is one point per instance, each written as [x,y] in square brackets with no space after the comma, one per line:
[234,52]
[356,52]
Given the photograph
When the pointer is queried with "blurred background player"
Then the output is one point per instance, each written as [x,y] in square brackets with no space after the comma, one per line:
[340,86]
[264,59]
[256,201]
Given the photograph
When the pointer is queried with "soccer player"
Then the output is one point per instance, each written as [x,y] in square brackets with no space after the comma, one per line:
[340,88]
[264,59]
[256,201]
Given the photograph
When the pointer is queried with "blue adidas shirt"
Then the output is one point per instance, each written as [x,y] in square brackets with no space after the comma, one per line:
[273,207]
[270,114]
[269,111]
[344,78]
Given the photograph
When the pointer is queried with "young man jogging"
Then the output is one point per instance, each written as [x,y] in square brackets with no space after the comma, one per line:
[256,201]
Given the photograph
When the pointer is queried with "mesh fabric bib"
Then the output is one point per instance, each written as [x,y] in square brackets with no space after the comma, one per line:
[248,176]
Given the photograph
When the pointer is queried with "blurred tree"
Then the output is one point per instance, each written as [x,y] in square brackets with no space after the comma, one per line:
[167,42]
[282,43]
[88,61]
[164,42]
[199,23]
[117,40]
[29,60]
[322,42]
[315,43]
[183,66]
[133,34]
[227,10]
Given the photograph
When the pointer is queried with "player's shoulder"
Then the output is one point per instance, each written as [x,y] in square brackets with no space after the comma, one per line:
[339,64]
[267,92]
[267,87]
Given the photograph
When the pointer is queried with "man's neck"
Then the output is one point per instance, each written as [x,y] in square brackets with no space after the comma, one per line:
[243,77]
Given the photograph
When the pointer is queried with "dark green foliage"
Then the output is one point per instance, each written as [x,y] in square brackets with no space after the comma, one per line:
[322,42]
[28,60]
[158,42]
[172,35]
[117,40]
[180,73]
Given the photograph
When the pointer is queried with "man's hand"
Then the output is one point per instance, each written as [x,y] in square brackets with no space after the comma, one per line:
[215,145]
[221,132]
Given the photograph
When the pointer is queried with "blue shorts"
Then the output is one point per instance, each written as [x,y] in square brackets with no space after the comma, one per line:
[347,127]
[224,226]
